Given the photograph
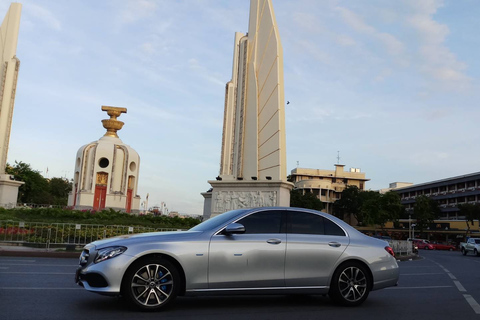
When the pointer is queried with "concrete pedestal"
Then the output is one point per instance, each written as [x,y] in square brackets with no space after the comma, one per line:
[231,195]
[9,191]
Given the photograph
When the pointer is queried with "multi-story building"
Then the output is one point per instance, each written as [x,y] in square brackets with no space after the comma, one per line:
[449,193]
[327,185]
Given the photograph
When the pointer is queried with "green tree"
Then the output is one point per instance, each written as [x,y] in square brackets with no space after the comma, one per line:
[392,208]
[471,213]
[369,207]
[425,211]
[307,200]
[59,189]
[349,203]
[35,188]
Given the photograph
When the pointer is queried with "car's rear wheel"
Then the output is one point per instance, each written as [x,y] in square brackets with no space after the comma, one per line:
[464,252]
[350,284]
[475,252]
[151,284]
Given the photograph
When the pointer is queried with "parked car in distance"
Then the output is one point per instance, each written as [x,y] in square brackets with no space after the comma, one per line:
[271,250]
[423,244]
[440,246]
[472,245]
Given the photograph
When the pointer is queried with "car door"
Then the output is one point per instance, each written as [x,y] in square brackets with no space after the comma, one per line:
[254,259]
[314,245]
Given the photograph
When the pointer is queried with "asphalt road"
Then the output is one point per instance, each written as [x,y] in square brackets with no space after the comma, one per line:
[442,285]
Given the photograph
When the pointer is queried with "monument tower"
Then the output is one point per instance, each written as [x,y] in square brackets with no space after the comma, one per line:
[253,160]
[8,86]
[106,171]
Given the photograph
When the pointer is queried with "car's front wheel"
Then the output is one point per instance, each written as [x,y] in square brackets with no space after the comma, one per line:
[151,284]
[464,252]
[350,284]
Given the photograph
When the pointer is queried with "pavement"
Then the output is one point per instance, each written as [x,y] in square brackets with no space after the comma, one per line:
[7,250]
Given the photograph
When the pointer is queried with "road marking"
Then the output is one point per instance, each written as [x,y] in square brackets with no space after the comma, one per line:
[69,273]
[471,301]
[427,287]
[39,265]
[451,276]
[420,274]
[402,267]
[459,286]
[38,288]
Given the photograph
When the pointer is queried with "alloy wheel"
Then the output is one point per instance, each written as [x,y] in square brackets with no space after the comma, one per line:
[152,285]
[352,284]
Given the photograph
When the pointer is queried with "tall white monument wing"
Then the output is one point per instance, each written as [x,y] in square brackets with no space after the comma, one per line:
[253,143]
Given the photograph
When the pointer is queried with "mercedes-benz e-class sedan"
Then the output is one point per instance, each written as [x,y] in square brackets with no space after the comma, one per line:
[249,251]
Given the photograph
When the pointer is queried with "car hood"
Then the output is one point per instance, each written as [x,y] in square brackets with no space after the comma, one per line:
[129,239]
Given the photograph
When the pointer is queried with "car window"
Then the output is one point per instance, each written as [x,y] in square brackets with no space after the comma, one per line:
[264,222]
[310,223]
[332,229]
[217,221]
[477,241]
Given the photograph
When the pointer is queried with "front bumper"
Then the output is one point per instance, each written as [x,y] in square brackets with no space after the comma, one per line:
[104,277]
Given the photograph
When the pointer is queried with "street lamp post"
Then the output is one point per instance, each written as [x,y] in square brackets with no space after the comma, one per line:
[410,226]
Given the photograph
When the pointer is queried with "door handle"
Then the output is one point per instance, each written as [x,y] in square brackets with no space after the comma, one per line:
[274,241]
[334,244]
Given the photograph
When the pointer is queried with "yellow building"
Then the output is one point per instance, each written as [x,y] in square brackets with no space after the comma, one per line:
[327,185]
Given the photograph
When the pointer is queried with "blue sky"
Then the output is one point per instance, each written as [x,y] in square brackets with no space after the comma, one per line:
[392,85]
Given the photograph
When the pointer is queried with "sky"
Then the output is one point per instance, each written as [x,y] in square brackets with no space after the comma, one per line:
[392,87]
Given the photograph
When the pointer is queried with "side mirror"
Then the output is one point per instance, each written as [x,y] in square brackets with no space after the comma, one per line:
[234,228]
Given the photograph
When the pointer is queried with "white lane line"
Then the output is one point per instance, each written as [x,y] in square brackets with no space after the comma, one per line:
[420,274]
[13,272]
[427,287]
[402,267]
[39,265]
[459,286]
[451,276]
[475,306]
[38,288]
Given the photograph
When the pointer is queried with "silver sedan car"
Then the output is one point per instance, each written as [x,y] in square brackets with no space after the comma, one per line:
[271,250]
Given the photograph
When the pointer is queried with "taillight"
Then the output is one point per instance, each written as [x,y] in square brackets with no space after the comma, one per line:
[390,250]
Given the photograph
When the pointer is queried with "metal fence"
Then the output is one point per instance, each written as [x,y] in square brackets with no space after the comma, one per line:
[64,233]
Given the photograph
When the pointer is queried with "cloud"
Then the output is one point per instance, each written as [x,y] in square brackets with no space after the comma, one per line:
[437,61]
[394,46]
[43,15]
[137,10]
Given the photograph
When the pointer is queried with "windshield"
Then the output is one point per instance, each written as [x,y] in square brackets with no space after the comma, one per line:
[217,221]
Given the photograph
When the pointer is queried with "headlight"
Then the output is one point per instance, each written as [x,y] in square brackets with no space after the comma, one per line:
[108,253]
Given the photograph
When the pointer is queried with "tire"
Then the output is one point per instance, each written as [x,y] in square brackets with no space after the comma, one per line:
[350,284]
[464,252]
[475,252]
[151,284]
[426,248]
